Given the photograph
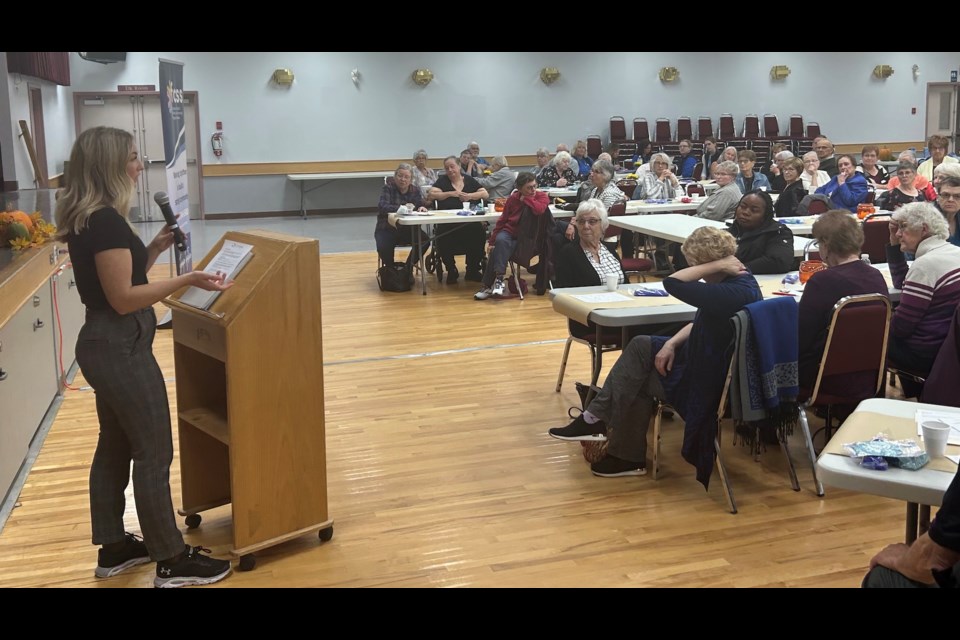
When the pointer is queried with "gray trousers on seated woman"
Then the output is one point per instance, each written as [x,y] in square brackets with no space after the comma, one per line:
[503,247]
[626,401]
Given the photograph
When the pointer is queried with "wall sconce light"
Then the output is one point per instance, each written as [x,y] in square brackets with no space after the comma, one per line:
[355,76]
[883,71]
[283,77]
[549,75]
[779,72]
[422,77]
[916,71]
[669,74]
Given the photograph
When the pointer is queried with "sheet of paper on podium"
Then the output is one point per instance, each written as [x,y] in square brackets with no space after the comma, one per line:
[229,260]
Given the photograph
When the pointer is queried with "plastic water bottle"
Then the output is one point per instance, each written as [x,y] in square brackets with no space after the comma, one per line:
[865,257]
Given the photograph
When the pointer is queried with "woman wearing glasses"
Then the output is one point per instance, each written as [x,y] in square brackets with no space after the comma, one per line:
[659,182]
[423,176]
[848,188]
[905,191]
[813,177]
[587,262]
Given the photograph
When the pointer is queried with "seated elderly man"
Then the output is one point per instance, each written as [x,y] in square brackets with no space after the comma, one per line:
[687,369]
[774,172]
[930,288]
[828,162]
[722,203]
[499,184]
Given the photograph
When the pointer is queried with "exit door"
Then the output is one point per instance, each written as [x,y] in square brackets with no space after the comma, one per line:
[140,115]
[942,112]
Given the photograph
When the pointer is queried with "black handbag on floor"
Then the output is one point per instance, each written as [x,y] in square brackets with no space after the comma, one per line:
[394,277]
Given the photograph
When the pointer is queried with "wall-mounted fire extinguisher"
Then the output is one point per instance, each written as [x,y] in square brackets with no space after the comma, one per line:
[216,140]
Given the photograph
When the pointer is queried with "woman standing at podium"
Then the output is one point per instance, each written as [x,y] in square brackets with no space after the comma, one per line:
[115,352]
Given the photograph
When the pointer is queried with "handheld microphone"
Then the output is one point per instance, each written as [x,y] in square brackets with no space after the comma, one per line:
[163,201]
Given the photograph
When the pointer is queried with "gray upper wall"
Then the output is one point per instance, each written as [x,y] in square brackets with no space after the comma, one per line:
[497,98]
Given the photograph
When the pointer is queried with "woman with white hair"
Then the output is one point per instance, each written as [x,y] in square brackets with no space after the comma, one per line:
[930,288]
[423,176]
[558,173]
[686,369]
[543,160]
[722,203]
[813,178]
[587,262]
[945,171]
[729,153]
[659,182]
[499,184]
[921,183]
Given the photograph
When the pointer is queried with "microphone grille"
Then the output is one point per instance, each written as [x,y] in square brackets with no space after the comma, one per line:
[160,197]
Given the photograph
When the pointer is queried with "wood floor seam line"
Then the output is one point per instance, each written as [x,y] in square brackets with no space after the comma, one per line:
[444,352]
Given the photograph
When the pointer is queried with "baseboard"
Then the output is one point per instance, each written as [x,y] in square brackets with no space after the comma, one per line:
[283,214]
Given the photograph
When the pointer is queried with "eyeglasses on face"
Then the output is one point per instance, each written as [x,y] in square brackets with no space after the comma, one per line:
[822,146]
[950,196]
[904,174]
[588,221]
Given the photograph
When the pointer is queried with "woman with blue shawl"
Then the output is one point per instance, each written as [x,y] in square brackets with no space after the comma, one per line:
[687,369]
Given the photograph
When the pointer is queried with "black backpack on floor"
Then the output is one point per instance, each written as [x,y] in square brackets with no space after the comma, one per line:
[394,277]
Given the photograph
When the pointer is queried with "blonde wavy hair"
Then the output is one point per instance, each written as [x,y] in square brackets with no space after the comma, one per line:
[97,178]
[707,244]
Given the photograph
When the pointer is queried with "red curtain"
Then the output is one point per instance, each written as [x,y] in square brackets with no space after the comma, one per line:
[46,65]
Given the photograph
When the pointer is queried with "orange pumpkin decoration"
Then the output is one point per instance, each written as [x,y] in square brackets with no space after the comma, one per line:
[16,216]
[885,154]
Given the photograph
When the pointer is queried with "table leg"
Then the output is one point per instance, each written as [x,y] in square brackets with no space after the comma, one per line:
[303,212]
[415,238]
[912,517]
[597,365]
[923,523]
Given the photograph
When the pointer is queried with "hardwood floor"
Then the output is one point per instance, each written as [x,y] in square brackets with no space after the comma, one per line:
[440,472]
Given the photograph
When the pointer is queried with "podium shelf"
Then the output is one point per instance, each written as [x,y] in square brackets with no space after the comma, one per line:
[208,421]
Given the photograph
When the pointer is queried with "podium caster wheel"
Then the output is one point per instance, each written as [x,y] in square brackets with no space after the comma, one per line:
[247,563]
[326,534]
[193,520]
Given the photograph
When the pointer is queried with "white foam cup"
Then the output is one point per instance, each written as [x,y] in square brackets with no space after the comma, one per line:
[935,436]
[612,281]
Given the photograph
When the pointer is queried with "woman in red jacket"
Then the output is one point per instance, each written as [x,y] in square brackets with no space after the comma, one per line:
[503,238]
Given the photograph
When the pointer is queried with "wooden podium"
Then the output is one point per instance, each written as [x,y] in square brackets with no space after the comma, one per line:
[250,397]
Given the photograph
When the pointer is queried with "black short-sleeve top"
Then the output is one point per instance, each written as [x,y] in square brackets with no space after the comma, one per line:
[106,229]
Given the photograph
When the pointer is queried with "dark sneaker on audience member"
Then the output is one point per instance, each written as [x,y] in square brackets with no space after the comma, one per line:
[130,553]
[453,276]
[498,287]
[189,569]
[580,431]
[483,294]
[613,467]
[473,276]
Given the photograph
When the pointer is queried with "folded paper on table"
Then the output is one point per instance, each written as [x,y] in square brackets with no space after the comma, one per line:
[231,258]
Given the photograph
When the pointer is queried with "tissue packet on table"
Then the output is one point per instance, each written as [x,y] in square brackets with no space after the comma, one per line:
[905,454]
[790,220]
[656,201]
[644,291]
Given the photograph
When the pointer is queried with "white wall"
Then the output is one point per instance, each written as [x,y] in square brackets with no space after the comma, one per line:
[58,126]
[498,99]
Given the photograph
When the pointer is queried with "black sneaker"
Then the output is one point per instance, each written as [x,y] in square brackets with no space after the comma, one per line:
[192,568]
[132,553]
[473,276]
[580,431]
[613,467]
[453,276]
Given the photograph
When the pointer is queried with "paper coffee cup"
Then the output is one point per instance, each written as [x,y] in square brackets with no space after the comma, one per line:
[935,436]
[491,208]
[612,281]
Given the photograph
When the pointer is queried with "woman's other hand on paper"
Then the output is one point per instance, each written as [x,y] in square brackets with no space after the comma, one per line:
[210,281]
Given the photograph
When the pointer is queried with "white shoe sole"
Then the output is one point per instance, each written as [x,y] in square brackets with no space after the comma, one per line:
[188,581]
[620,474]
[591,437]
[107,572]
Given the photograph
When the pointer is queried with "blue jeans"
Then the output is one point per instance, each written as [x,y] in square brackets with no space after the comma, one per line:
[503,247]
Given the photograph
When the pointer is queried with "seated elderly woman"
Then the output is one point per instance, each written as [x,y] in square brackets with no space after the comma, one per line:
[729,154]
[587,262]
[763,244]
[906,191]
[921,182]
[659,182]
[840,237]
[423,176]
[469,165]
[930,288]
[748,179]
[503,238]
[848,188]
[543,159]
[500,182]
[721,204]
[876,174]
[687,369]
[813,177]
[453,190]
[396,193]
[581,162]
[605,190]
[558,173]
[948,203]
[792,190]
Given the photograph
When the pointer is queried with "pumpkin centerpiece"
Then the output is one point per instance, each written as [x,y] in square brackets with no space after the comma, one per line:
[19,230]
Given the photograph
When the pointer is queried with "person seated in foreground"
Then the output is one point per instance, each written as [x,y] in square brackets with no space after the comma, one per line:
[840,237]
[503,238]
[930,288]
[687,369]
[586,261]
[932,559]
[763,244]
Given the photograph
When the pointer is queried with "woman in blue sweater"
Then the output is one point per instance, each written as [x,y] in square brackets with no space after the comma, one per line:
[848,188]
[687,369]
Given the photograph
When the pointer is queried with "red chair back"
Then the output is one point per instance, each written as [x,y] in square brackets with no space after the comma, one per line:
[771,126]
[751,126]
[594,146]
[641,131]
[856,341]
[876,236]
[696,188]
[662,130]
[796,126]
[628,187]
[727,130]
[616,209]
[618,129]
[684,128]
[704,128]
